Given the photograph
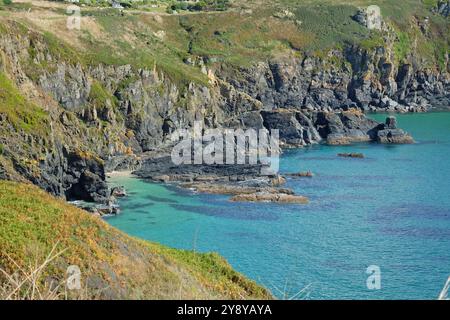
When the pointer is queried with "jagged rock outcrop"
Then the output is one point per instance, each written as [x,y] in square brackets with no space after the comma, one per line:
[355,77]
[443,8]
[85,178]
[295,128]
[389,133]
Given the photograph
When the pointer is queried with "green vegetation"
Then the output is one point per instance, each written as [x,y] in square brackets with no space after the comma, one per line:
[330,25]
[245,33]
[112,264]
[21,113]
[402,46]
[203,5]
[373,41]
[100,97]
[430,3]
[14,6]
[211,268]
[144,47]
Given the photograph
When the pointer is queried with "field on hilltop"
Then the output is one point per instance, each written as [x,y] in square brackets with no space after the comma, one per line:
[241,34]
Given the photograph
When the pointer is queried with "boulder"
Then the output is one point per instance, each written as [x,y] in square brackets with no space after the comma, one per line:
[388,133]
[118,192]
[394,136]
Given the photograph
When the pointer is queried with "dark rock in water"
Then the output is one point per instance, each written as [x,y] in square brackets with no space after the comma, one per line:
[349,127]
[248,193]
[351,155]
[391,123]
[306,174]
[108,210]
[118,192]
[345,127]
[270,197]
[162,169]
[388,133]
[394,136]
[234,189]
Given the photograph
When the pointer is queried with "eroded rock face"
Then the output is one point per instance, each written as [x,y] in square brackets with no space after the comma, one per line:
[295,128]
[367,79]
[85,178]
[443,8]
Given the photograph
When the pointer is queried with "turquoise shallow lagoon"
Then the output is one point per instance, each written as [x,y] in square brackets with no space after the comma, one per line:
[391,209]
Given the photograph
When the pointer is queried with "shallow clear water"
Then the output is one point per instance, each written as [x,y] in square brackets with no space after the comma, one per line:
[391,209]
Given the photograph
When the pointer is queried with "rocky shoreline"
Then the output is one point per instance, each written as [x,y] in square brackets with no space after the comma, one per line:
[246,183]
[80,176]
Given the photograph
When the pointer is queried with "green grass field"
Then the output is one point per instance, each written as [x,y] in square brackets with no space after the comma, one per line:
[248,31]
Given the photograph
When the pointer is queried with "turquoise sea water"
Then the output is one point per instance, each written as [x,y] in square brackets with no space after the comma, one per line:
[391,210]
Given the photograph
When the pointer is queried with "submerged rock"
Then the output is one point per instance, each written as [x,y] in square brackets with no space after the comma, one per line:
[351,155]
[305,174]
[270,197]
[231,189]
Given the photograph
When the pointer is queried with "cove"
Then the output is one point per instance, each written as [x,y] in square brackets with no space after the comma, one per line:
[390,209]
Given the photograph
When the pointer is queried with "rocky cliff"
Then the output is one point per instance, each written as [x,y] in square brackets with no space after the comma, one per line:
[80,118]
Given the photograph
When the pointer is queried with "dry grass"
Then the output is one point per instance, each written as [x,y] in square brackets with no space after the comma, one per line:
[112,264]
[444,293]
[27,283]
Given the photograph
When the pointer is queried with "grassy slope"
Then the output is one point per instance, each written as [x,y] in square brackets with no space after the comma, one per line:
[249,31]
[117,266]
[22,114]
